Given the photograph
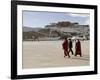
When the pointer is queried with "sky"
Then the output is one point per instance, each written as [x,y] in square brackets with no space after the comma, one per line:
[41,19]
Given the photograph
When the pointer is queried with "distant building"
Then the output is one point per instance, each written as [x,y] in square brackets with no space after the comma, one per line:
[57,30]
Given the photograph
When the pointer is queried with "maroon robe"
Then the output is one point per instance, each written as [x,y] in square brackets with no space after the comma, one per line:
[78,49]
[65,47]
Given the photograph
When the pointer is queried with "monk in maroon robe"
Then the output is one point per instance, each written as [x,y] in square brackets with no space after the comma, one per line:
[78,48]
[65,47]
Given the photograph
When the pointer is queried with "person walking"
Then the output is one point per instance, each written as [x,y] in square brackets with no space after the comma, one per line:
[78,48]
[65,47]
[70,46]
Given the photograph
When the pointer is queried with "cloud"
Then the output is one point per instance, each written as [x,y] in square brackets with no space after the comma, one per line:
[87,21]
[78,15]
